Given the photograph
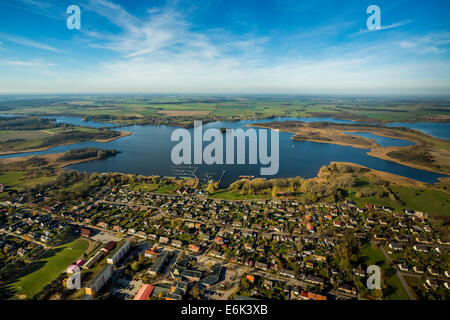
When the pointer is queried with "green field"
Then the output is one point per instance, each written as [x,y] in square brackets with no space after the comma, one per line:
[16,180]
[379,109]
[40,273]
[425,199]
[375,256]
[12,178]
[156,188]
[235,195]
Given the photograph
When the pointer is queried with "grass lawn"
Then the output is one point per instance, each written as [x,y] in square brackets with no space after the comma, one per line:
[167,189]
[146,187]
[44,271]
[375,256]
[156,188]
[233,195]
[35,181]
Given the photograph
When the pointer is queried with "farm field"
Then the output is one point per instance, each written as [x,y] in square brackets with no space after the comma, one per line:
[40,273]
[360,109]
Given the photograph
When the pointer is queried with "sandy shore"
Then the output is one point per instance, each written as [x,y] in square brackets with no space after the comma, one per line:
[51,158]
[381,153]
[391,177]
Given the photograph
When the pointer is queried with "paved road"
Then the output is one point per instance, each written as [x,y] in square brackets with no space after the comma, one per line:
[399,275]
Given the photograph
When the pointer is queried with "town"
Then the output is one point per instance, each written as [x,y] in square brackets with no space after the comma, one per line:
[185,246]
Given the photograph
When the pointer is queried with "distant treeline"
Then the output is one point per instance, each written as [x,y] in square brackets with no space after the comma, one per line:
[33,162]
[70,136]
[85,153]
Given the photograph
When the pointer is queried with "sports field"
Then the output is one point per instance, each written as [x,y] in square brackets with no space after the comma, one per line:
[42,272]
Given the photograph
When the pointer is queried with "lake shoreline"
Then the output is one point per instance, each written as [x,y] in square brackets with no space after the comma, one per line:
[122,134]
[375,150]
[141,133]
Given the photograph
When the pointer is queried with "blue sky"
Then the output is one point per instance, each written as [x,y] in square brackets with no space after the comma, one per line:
[225,46]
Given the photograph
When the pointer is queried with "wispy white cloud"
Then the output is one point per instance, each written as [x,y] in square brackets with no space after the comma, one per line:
[25,63]
[436,43]
[40,4]
[41,8]
[386,27]
[162,52]
[27,42]
[162,30]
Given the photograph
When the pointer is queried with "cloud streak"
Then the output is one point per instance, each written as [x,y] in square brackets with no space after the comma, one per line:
[387,27]
[436,43]
[36,7]
[25,64]
[27,42]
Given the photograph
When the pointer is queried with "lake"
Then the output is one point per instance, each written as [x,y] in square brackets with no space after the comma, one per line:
[147,152]
[383,141]
[435,129]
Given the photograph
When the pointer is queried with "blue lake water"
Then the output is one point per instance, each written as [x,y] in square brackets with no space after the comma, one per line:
[147,151]
[383,141]
[77,121]
[435,129]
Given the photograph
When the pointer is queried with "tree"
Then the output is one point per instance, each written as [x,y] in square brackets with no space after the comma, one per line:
[291,187]
[274,191]
[378,294]
[348,251]
[211,188]
[195,293]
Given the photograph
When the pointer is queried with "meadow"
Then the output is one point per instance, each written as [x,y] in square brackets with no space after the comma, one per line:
[17,180]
